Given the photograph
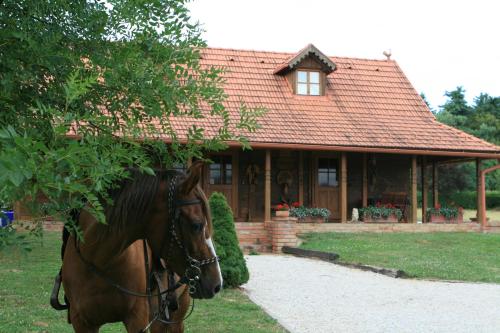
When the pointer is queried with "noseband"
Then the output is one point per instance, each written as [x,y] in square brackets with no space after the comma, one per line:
[193,270]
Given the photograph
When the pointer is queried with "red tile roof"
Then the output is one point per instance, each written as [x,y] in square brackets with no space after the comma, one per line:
[368,104]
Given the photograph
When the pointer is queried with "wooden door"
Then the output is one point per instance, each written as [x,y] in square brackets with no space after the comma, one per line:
[221,177]
[327,178]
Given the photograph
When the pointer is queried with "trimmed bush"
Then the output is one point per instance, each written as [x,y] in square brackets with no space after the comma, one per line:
[232,263]
[465,199]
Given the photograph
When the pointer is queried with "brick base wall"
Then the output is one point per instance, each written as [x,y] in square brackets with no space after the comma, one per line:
[387,227]
[253,236]
[283,231]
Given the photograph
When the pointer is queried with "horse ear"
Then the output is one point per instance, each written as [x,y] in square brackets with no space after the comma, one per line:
[193,177]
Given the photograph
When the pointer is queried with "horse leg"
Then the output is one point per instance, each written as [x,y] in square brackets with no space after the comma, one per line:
[137,319]
[80,327]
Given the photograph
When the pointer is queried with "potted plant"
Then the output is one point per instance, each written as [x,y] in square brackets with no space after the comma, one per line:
[440,214]
[305,214]
[380,213]
[282,210]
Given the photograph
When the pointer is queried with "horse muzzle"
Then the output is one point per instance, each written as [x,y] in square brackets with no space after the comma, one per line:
[203,290]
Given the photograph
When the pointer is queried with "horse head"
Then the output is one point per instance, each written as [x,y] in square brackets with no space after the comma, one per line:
[181,233]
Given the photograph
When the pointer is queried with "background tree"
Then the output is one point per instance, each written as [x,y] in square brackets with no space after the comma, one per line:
[233,265]
[482,120]
[111,74]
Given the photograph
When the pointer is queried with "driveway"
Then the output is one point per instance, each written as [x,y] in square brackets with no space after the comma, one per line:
[307,295]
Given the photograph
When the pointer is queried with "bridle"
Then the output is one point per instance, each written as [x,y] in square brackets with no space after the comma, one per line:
[193,270]
[192,273]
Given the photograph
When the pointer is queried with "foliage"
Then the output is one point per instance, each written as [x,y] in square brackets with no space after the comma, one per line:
[482,120]
[449,256]
[83,82]
[27,282]
[379,212]
[467,199]
[447,212]
[232,263]
[10,238]
[303,212]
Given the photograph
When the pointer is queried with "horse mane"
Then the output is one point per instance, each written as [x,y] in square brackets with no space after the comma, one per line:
[133,197]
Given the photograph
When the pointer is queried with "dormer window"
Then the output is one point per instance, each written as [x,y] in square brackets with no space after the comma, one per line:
[307,71]
[308,83]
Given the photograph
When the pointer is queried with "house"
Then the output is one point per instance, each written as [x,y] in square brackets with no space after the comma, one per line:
[340,133]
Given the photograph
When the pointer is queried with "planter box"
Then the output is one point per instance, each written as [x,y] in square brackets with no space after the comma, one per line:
[442,219]
[390,219]
[282,213]
[311,219]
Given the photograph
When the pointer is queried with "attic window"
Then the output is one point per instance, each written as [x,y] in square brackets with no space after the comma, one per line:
[308,83]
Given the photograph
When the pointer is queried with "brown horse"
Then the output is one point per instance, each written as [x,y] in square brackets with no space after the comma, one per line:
[101,273]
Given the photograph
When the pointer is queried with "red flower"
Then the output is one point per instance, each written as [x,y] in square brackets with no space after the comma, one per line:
[295,204]
[437,206]
[282,207]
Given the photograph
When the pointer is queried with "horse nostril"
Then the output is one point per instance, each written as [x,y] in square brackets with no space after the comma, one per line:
[217,289]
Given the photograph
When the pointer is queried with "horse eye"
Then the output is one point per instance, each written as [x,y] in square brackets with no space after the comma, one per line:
[197,227]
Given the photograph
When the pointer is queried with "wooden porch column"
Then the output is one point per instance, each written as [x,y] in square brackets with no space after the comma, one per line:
[364,193]
[413,214]
[267,192]
[301,177]
[479,187]
[425,189]
[435,182]
[343,188]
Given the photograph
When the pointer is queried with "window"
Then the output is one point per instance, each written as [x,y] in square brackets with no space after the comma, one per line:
[308,83]
[221,171]
[327,172]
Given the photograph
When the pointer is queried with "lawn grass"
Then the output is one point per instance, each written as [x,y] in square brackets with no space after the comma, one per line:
[449,256]
[26,282]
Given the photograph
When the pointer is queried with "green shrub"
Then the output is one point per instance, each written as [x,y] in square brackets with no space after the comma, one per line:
[465,199]
[468,199]
[379,212]
[232,264]
[303,212]
[448,213]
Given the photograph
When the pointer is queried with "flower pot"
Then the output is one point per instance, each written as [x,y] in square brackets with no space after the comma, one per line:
[312,219]
[282,213]
[441,219]
[390,219]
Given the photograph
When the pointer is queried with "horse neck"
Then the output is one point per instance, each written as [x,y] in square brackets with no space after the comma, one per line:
[103,245]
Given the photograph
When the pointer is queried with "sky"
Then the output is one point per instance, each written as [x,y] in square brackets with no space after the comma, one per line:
[439,44]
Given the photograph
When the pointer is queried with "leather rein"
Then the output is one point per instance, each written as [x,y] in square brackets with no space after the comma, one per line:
[193,271]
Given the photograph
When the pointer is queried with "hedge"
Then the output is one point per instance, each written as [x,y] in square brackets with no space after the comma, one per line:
[465,199]
[232,263]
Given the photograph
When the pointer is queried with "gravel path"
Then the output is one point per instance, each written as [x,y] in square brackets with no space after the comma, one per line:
[307,295]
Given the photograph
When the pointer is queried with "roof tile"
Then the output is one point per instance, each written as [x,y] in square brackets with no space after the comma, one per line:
[368,103]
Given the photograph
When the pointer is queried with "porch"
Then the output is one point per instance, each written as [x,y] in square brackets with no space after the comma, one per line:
[255,182]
